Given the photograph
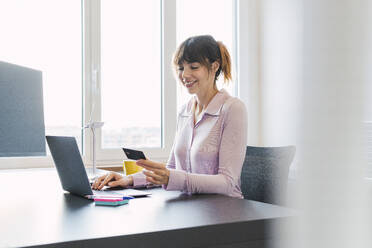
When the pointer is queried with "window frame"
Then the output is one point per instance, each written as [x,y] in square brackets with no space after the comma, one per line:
[91,77]
[37,161]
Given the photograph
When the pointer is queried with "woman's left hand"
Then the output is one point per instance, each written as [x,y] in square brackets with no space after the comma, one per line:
[156,173]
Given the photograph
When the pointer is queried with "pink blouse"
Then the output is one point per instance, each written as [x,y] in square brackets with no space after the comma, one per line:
[207,157]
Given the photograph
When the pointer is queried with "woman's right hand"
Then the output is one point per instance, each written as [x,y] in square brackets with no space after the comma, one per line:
[112,179]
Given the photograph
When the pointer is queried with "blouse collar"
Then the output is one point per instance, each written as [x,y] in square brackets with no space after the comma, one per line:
[214,107]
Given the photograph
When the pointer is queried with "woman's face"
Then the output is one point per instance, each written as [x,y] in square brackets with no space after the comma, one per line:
[195,77]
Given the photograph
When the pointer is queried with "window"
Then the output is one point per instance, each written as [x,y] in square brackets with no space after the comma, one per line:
[131,73]
[128,82]
[108,61]
[38,35]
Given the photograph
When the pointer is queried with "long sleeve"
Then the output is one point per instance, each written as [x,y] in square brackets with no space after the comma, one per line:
[171,164]
[231,152]
[139,180]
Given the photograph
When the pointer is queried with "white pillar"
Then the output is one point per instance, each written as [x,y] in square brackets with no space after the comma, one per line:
[330,148]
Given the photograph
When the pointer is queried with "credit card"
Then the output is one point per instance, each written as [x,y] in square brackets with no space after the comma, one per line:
[134,154]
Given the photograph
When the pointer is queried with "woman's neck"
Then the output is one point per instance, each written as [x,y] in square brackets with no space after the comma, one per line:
[202,101]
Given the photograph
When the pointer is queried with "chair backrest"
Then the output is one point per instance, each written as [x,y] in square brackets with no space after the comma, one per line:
[265,173]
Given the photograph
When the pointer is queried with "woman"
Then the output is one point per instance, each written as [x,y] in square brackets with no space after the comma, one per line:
[209,147]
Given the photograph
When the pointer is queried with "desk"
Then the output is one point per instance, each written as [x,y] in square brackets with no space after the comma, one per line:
[35,211]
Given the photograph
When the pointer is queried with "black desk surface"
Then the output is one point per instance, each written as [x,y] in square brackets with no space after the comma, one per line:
[35,211]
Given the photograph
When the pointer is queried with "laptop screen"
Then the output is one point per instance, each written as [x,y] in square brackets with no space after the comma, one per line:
[70,167]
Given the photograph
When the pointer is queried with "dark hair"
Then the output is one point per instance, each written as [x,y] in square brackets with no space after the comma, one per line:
[205,50]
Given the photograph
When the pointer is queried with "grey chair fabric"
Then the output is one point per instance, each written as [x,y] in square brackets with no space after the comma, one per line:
[265,173]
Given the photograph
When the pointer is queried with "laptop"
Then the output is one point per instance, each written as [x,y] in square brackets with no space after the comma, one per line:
[72,173]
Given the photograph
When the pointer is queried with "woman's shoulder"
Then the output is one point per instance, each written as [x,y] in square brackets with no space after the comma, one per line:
[233,104]
[234,111]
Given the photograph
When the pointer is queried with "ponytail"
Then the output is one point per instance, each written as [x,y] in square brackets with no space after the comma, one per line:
[205,50]
[225,63]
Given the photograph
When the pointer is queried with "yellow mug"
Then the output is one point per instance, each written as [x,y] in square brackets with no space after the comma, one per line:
[130,167]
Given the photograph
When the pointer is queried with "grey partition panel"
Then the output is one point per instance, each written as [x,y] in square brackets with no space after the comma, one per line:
[22,130]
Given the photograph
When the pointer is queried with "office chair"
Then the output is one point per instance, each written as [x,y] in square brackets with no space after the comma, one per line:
[264,174]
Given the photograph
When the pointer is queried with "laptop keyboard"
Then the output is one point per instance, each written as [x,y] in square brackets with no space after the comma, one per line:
[104,192]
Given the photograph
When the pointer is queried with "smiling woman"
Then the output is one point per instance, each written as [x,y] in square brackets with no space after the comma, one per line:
[209,148]
[202,51]
[198,60]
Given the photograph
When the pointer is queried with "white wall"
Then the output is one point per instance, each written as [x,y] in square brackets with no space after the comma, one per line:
[335,203]
[281,70]
[249,68]
[270,69]
[312,63]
